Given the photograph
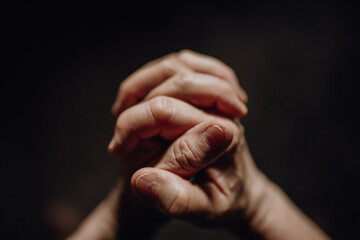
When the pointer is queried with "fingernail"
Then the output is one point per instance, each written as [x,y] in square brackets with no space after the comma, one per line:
[146,184]
[214,135]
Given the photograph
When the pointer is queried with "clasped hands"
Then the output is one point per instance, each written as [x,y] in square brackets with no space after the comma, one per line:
[183,155]
[177,126]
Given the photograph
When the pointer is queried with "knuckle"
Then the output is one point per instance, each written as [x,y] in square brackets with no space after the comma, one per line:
[126,89]
[185,80]
[184,53]
[161,108]
[186,156]
[169,65]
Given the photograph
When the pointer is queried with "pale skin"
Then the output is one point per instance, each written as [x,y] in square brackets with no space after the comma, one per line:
[184,155]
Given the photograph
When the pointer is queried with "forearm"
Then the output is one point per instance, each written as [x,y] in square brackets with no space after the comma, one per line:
[270,214]
[279,218]
[121,215]
[102,223]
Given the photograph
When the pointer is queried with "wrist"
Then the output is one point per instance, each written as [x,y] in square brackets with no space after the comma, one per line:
[279,218]
[102,223]
[252,198]
[119,216]
[134,213]
[263,209]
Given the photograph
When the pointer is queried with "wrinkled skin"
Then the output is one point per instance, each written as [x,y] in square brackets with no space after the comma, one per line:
[184,152]
[217,189]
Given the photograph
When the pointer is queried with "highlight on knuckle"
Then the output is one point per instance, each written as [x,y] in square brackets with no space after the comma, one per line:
[184,81]
[185,53]
[168,66]
[162,108]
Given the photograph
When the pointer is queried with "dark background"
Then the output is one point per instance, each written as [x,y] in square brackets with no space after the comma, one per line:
[63,63]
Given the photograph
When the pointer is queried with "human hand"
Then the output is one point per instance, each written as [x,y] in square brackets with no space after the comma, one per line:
[166,139]
[173,119]
[229,192]
[221,96]
[196,78]
[196,139]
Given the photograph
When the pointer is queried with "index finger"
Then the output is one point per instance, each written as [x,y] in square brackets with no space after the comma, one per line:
[135,87]
[206,64]
[140,83]
[161,116]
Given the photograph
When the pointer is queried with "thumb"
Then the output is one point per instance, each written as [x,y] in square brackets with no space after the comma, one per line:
[197,148]
[172,194]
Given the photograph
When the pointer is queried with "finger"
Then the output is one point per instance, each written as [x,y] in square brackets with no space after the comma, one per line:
[164,116]
[206,64]
[138,84]
[161,116]
[202,90]
[147,150]
[196,149]
[173,195]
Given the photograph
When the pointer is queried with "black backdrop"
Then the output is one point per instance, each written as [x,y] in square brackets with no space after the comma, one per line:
[64,62]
